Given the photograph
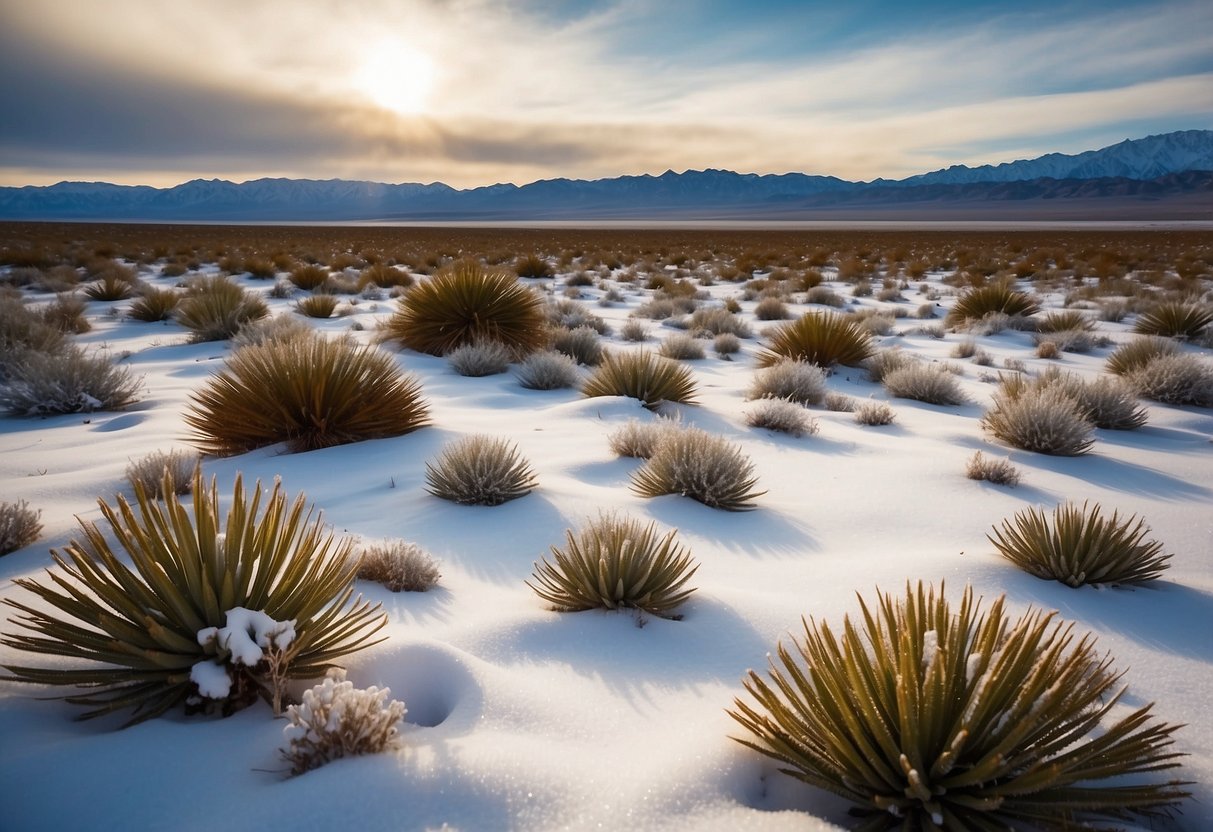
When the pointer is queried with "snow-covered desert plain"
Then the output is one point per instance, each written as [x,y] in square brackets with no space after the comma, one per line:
[521,717]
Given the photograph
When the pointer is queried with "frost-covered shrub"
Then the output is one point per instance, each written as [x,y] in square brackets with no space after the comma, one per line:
[699,465]
[771,309]
[726,344]
[19,526]
[616,562]
[66,314]
[996,471]
[641,375]
[563,313]
[23,331]
[547,371]
[872,413]
[925,383]
[1175,379]
[1065,340]
[1135,354]
[1079,546]
[276,330]
[783,416]
[824,296]
[926,717]
[201,608]
[681,347]
[634,330]
[67,381]
[479,470]
[1045,420]
[174,468]
[638,439]
[839,402]
[479,358]
[337,720]
[791,380]
[883,362]
[718,321]
[399,566]
[215,308]
[582,344]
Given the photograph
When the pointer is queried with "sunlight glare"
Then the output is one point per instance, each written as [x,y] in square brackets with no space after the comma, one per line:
[396,77]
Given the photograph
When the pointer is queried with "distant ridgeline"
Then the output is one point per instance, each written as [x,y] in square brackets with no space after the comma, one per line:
[1169,176]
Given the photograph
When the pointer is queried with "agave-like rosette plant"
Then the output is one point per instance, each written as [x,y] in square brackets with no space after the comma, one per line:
[927,718]
[821,338]
[617,562]
[215,309]
[308,392]
[1080,546]
[978,302]
[641,375]
[138,627]
[480,470]
[1174,319]
[464,304]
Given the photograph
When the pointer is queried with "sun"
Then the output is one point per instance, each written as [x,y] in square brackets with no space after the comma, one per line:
[396,77]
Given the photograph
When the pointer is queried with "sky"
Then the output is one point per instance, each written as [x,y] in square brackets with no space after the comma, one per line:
[475,92]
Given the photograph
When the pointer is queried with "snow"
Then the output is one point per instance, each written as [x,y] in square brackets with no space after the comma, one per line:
[521,717]
[212,678]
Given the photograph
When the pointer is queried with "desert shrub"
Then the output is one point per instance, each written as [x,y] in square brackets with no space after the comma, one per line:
[925,311]
[337,720]
[1069,320]
[569,314]
[309,276]
[965,349]
[616,562]
[699,465]
[260,268]
[213,610]
[1079,546]
[20,526]
[822,338]
[23,331]
[634,330]
[993,298]
[1174,319]
[1139,352]
[111,287]
[718,321]
[924,383]
[215,308]
[67,381]
[159,468]
[464,303]
[1048,349]
[154,305]
[1045,420]
[1108,402]
[317,306]
[882,362]
[874,322]
[824,296]
[726,344]
[996,471]
[582,344]
[783,416]
[266,330]
[66,314]
[791,380]
[384,276]
[307,392]
[479,358]
[479,470]
[839,402]
[1175,379]
[532,265]
[681,347]
[872,413]
[547,371]
[644,376]
[399,566]
[641,439]
[928,718]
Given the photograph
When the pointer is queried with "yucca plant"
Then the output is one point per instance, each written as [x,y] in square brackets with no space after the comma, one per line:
[928,718]
[821,338]
[702,466]
[308,392]
[641,375]
[480,470]
[1135,354]
[993,298]
[316,306]
[532,265]
[616,562]
[309,276]
[154,305]
[156,632]
[463,304]
[1065,320]
[1079,546]
[1174,319]
[215,309]
[110,287]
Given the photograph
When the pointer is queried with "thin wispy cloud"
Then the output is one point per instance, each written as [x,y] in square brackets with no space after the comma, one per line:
[472,92]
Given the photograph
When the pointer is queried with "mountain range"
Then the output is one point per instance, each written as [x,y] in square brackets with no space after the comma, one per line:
[1167,176]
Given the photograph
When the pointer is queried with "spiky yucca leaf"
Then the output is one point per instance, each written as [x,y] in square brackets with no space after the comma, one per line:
[479,470]
[699,465]
[154,305]
[463,304]
[821,338]
[308,392]
[641,375]
[215,308]
[1079,546]
[1135,354]
[1175,320]
[930,719]
[616,562]
[976,303]
[139,624]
